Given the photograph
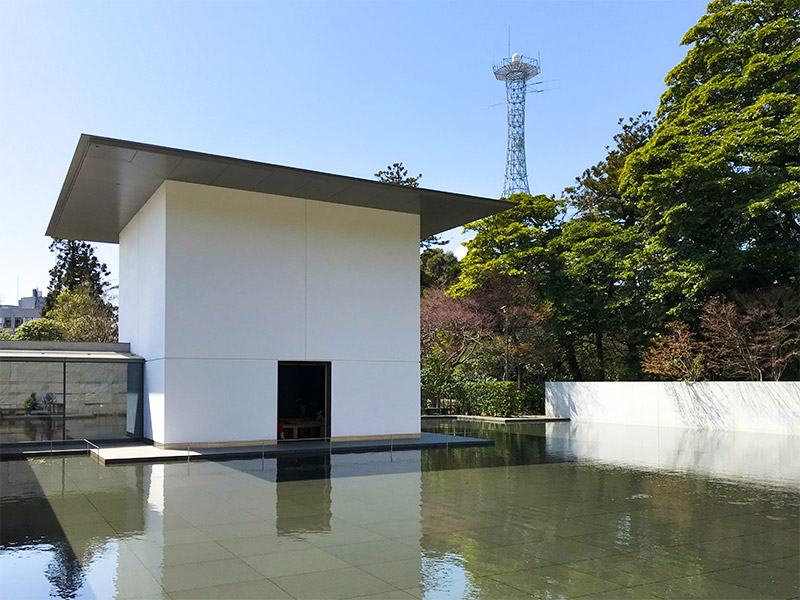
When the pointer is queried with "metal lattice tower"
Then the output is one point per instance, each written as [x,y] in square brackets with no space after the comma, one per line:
[516,71]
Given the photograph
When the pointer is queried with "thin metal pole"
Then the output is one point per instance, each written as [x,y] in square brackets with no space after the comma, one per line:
[64,401]
[505,368]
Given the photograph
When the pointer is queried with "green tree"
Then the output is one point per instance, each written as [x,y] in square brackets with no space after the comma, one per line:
[511,263]
[83,317]
[42,330]
[718,182]
[600,287]
[76,266]
[597,192]
[437,269]
[512,243]
[397,174]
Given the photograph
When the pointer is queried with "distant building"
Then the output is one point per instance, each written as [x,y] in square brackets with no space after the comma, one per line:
[27,309]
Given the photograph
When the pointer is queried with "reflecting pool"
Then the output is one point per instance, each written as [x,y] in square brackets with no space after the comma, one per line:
[551,511]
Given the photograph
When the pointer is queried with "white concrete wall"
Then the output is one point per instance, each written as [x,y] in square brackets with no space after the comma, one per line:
[249,279]
[236,274]
[217,400]
[765,407]
[142,301]
[374,398]
[362,284]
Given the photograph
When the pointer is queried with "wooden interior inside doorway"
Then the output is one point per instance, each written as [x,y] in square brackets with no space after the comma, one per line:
[304,393]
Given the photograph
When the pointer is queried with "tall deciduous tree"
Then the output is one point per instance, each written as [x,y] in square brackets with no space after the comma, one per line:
[605,277]
[718,182]
[597,192]
[677,355]
[454,326]
[755,337]
[81,316]
[76,266]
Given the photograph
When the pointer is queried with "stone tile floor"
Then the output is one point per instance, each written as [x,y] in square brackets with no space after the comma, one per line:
[518,520]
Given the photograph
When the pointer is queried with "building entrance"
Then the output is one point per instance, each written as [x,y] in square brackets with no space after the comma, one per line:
[304,400]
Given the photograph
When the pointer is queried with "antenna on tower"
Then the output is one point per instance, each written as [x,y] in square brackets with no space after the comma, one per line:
[516,71]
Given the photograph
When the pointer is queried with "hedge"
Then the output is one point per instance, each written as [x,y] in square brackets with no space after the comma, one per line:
[490,397]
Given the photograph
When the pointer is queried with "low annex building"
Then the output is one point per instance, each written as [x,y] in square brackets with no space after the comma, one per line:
[325,343]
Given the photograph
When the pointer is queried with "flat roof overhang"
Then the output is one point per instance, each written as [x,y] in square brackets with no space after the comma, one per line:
[25,351]
[109,180]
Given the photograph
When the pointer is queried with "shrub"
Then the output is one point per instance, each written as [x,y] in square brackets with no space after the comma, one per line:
[534,399]
[38,330]
[30,403]
[440,380]
[491,397]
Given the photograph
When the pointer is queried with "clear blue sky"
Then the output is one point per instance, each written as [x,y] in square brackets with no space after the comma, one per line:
[341,87]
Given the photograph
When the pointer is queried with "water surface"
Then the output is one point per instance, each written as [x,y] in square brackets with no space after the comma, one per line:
[552,511]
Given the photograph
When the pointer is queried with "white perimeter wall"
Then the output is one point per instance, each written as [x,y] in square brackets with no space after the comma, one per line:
[765,407]
[248,279]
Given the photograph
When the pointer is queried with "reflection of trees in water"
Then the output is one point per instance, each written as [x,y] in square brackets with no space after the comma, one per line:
[512,446]
[64,571]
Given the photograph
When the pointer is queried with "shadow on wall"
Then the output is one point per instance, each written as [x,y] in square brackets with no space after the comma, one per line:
[765,407]
[783,400]
[571,401]
[738,405]
[702,405]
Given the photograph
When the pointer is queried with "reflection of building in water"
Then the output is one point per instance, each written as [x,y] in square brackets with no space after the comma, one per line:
[122,531]
[302,507]
[66,527]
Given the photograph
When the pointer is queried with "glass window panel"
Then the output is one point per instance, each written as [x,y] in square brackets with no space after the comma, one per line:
[31,402]
[97,400]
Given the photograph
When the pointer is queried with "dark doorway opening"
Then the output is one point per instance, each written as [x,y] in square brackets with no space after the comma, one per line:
[304,392]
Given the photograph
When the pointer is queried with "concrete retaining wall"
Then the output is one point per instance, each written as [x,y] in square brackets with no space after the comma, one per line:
[764,407]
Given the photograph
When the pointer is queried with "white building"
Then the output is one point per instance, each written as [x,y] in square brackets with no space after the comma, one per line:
[329,346]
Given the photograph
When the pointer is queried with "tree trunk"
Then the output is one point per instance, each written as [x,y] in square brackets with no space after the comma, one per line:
[598,341]
[572,359]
